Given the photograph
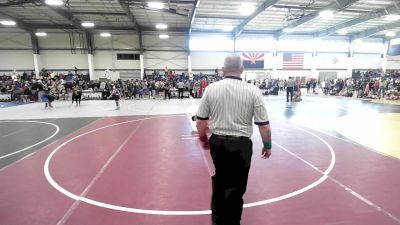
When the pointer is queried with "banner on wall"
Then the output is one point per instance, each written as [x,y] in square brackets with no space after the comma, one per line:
[293,60]
[253,60]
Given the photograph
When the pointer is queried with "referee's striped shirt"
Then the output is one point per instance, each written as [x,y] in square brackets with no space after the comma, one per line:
[232,104]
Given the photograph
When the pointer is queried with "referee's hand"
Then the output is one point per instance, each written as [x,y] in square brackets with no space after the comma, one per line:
[266,153]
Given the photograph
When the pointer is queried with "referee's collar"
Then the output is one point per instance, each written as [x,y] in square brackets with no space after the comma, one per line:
[233,77]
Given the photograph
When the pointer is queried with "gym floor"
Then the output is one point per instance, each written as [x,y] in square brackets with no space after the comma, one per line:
[335,161]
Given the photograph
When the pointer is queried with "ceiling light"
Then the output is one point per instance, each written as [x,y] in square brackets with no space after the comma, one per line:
[227,28]
[156,5]
[163,36]
[54,2]
[342,32]
[8,23]
[161,26]
[41,34]
[87,24]
[391,17]
[246,9]
[390,34]
[105,34]
[289,30]
[326,14]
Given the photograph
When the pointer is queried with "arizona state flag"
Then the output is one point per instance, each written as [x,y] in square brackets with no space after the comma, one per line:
[253,60]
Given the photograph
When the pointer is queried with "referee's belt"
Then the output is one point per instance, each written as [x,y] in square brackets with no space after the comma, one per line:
[227,137]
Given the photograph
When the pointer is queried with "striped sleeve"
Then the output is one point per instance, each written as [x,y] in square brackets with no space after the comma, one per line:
[203,113]
[260,112]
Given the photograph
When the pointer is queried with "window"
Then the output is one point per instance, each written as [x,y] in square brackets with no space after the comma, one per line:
[129,56]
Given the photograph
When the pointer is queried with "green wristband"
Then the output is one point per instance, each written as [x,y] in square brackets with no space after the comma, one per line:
[268,144]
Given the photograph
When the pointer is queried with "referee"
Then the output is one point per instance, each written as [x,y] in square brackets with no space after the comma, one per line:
[289,89]
[232,104]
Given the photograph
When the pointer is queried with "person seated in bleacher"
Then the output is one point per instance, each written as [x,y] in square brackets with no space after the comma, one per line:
[372,95]
[3,89]
[394,97]
[27,93]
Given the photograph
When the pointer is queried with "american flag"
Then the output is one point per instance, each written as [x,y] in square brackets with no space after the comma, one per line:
[253,60]
[293,60]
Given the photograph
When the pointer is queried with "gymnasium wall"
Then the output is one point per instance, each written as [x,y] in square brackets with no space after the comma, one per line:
[56,54]
[393,63]
[18,60]
[16,53]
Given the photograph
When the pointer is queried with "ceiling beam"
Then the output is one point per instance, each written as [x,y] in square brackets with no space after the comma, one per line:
[185,2]
[98,13]
[337,5]
[68,16]
[220,17]
[219,31]
[142,28]
[265,5]
[393,9]
[278,6]
[100,28]
[172,11]
[127,10]
[89,43]
[35,43]
[20,23]
[31,29]
[375,30]
[193,16]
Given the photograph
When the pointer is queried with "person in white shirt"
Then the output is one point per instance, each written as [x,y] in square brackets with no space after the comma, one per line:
[181,87]
[232,104]
[289,89]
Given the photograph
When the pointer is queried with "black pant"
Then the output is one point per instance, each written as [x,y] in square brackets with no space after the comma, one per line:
[232,159]
[167,94]
[180,92]
[289,90]
[78,98]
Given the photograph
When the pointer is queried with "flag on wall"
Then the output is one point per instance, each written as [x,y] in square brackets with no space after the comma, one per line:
[293,60]
[253,60]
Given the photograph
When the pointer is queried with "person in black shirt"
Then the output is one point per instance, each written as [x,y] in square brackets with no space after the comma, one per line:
[116,96]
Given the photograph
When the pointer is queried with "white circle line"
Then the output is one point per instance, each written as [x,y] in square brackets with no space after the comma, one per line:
[29,147]
[308,187]
[168,212]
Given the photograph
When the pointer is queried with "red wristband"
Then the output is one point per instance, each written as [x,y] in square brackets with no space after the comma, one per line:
[204,138]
